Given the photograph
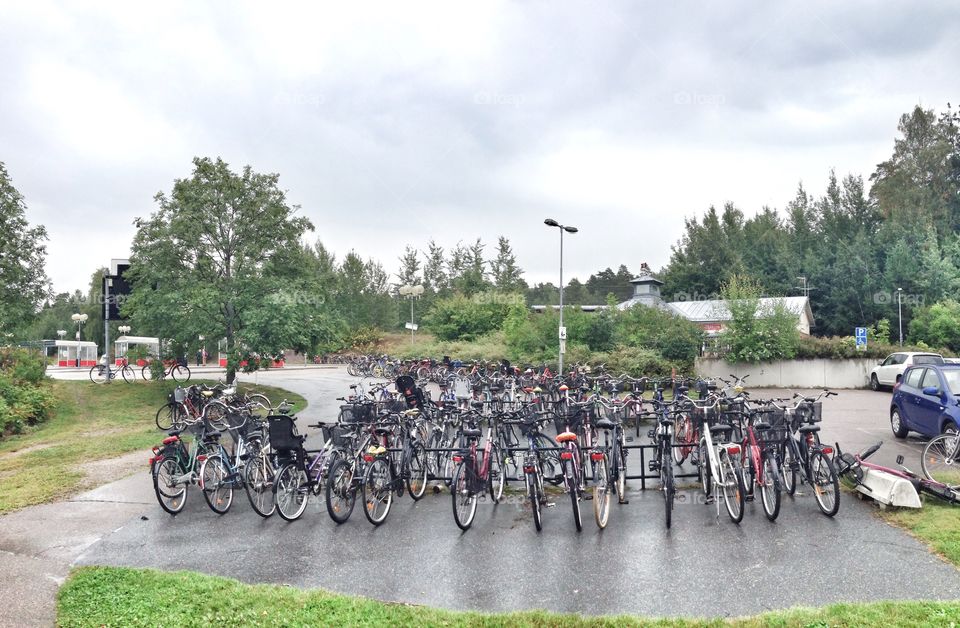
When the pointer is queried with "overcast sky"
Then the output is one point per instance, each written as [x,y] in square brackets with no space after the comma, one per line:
[393,123]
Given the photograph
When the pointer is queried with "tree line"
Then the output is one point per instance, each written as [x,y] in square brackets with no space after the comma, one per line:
[225,255]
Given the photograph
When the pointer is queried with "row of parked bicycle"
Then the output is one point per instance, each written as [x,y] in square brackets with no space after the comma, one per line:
[394,439]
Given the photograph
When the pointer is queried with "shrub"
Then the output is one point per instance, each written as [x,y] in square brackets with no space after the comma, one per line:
[756,334]
[466,318]
[25,399]
[937,325]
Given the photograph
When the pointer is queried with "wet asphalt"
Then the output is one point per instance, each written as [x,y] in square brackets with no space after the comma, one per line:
[703,566]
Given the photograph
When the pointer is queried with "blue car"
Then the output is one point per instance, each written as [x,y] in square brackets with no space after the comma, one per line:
[926,400]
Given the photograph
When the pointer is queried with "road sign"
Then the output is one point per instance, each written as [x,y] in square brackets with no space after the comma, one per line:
[860,333]
[563,333]
[412,326]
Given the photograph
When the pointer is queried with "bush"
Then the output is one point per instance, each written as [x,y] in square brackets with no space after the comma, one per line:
[844,347]
[937,325]
[25,399]
[466,318]
[755,334]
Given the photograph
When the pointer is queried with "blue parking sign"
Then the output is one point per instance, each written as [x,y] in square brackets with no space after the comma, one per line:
[861,336]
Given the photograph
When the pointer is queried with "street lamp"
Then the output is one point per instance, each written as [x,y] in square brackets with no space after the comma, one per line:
[562,332]
[900,313]
[124,329]
[79,319]
[411,292]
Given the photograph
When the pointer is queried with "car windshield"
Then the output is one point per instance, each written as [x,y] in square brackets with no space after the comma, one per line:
[927,359]
[953,380]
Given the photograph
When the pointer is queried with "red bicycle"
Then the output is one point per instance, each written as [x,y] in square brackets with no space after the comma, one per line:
[473,474]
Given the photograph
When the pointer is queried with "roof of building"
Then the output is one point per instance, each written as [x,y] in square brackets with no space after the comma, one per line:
[717,310]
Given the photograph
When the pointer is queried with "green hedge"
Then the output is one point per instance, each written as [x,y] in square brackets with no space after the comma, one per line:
[843,347]
[25,398]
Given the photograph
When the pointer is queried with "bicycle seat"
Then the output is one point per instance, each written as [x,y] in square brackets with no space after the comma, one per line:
[170,439]
[809,429]
[382,431]
[605,424]
[174,432]
[472,433]
[206,393]
[761,426]
[721,429]
[566,437]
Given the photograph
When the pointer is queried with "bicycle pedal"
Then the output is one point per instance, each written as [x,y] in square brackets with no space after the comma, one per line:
[549,504]
[654,465]
[623,501]
[629,439]
[709,500]
[748,498]
[587,497]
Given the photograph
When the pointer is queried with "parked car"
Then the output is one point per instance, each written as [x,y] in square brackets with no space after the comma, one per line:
[889,371]
[925,400]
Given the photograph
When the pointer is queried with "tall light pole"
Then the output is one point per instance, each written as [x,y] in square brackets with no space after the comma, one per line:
[900,313]
[79,319]
[550,222]
[411,292]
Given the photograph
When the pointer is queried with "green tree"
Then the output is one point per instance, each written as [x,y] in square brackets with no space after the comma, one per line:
[507,275]
[213,258]
[757,332]
[435,277]
[409,267]
[937,325]
[23,283]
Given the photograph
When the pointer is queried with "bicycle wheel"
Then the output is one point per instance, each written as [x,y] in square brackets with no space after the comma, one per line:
[216,484]
[377,491]
[261,401]
[703,469]
[747,470]
[731,483]
[940,461]
[669,490]
[826,486]
[496,474]
[601,494]
[416,472]
[129,375]
[770,486]
[618,468]
[341,494]
[549,459]
[146,373]
[258,484]
[98,374]
[291,492]
[572,485]
[788,470]
[533,492]
[681,431]
[464,501]
[171,495]
[170,416]
[180,373]
[215,412]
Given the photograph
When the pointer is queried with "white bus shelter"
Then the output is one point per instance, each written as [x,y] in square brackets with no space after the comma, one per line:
[124,344]
[67,351]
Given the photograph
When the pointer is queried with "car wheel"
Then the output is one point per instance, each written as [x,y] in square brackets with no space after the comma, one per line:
[874,382]
[949,428]
[896,424]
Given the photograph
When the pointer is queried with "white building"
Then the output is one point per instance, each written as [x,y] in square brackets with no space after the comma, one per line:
[712,315]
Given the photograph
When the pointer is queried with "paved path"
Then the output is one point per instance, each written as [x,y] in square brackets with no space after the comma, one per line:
[419,555]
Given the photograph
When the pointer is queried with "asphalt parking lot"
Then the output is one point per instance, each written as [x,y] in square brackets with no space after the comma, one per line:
[703,566]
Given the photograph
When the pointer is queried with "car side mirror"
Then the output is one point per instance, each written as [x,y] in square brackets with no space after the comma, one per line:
[933,391]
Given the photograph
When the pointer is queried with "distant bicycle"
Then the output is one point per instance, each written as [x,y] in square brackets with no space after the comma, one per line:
[179,372]
[100,375]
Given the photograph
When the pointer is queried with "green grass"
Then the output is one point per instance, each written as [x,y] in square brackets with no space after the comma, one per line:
[110,596]
[91,422]
[937,524]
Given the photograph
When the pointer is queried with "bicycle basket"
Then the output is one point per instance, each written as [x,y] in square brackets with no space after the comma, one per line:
[811,412]
[179,394]
[569,420]
[283,433]
[357,413]
[704,415]
[776,419]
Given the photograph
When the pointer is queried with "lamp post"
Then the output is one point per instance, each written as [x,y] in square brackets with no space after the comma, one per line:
[79,319]
[411,292]
[561,332]
[900,313]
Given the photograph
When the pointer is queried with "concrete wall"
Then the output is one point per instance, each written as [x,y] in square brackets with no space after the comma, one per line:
[816,373]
